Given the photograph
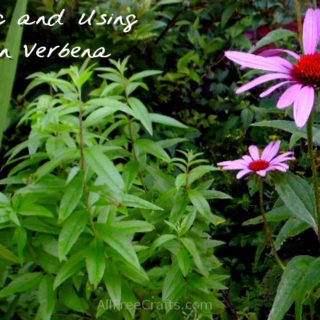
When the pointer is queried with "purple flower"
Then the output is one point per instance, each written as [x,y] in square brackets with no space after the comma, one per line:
[302,77]
[260,163]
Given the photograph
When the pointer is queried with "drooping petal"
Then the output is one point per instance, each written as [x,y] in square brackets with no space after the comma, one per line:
[272,89]
[289,96]
[271,150]
[256,62]
[272,52]
[242,173]
[254,152]
[262,79]
[303,105]
[310,32]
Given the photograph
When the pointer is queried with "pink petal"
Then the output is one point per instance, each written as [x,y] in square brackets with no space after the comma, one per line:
[310,32]
[283,157]
[279,168]
[247,159]
[254,152]
[256,62]
[271,150]
[289,96]
[285,63]
[273,88]
[272,52]
[243,173]
[262,79]
[233,165]
[262,173]
[303,106]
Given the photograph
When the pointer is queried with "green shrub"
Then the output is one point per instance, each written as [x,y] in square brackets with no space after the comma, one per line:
[101,219]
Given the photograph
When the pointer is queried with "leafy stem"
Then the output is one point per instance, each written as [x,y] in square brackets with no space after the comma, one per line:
[135,155]
[267,228]
[313,168]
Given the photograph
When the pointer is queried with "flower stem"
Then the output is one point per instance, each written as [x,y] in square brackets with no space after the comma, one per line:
[299,19]
[267,228]
[313,169]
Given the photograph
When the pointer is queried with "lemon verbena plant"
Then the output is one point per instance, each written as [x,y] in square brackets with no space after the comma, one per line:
[101,216]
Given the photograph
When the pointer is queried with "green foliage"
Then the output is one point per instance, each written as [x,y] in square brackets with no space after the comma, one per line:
[105,211]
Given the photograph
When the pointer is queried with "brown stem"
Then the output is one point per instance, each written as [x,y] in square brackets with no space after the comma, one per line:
[299,19]
[267,227]
[312,158]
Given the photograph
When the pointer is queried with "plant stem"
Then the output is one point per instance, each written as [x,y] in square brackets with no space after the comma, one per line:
[299,19]
[314,169]
[267,227]
[134,151]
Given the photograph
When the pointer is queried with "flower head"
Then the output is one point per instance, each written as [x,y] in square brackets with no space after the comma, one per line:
[302,77]
[260,163]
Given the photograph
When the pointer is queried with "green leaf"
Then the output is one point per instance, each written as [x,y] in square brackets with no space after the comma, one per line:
[112,280]
[153,148]
[272,37]
[119,242]
[6,254]
[104,168]
[35,210]
[46,297]
[8,67]
[173,285]
[141,113]
[68,155]
[71,230]
[184,261]
[105,102]
[165,120]
[132,226]
[99,115]
[136,202]
[187,222]
[70,298]
[144,74]
[202,206]
[69,268]
[290,127]
[135,274]
[287,289]
[291,228]
[22,283]
[309,281]
[72,196]
[161,240]
[275,215]
[95,262]
[199,172]
[191,247]
[298,197]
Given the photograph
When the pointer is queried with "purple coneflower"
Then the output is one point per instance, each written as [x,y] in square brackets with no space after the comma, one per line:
[259,163]
[303,77]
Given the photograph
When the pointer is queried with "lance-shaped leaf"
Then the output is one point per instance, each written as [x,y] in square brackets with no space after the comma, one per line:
[287,289]
[104,168]
[298,197]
